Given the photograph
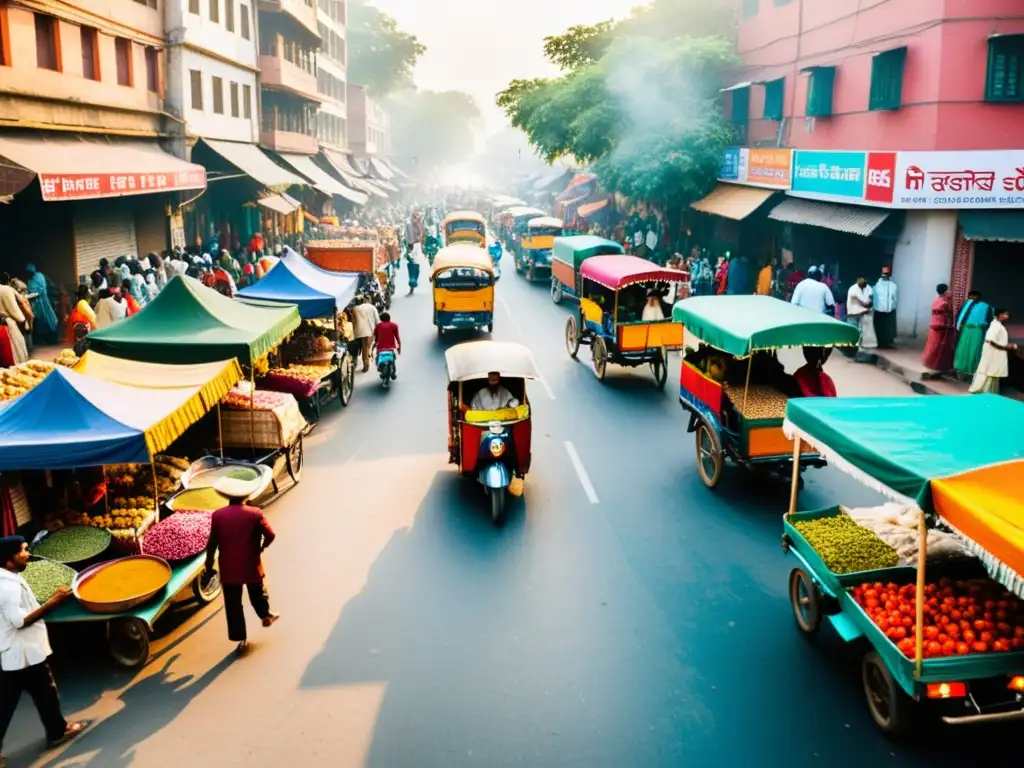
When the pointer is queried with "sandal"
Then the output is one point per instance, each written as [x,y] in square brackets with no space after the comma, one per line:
[73,731]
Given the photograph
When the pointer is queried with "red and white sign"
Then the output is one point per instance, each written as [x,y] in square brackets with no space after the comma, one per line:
[881,177]
[83,186]
[982,179]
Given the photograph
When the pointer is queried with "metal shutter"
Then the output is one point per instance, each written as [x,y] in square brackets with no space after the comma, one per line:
[151,225]
[104,229]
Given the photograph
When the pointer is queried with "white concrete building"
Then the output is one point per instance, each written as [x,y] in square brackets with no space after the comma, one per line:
[332,74]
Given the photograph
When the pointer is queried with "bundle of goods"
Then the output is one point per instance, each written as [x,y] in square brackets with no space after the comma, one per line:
[761,401]
[308,342]
[131,506]
[74,544]
[240,398]
[359,238]
[898,526]
[67,358]
[960,617]
[45,577]
[181,536]
[845,546]
[18,380]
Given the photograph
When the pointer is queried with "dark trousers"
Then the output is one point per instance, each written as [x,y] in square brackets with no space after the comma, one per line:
[258,598]
[38,681]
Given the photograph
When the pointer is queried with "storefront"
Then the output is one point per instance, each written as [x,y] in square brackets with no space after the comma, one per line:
[997,258]
[733,220]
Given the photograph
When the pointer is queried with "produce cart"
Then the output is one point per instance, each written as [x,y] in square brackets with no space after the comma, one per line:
[938,631]
[128,633]
[364,255]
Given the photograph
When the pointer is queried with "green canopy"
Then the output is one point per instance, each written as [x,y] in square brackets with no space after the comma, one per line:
[574,249]
[188,323]
[741,325]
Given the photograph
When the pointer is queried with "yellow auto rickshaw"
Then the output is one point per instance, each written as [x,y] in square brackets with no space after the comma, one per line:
[465,227]
[463,284]
[533,256]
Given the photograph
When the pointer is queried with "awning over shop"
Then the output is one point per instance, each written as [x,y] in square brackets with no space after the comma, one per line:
[80,168]
[279,204]
[351,176]
[252,161]
[591,208]
[731,201]
[294,280]
[382,169]
[213,380]
[549,180]
[1006,226]
[188,323]
[322,180]
[70,420]
[396,170]
[580,179]
[855,220]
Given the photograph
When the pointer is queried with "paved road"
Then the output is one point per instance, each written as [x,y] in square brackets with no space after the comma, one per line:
[626,616]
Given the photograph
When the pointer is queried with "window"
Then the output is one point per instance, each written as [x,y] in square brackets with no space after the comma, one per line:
[749,8]
[193,7]
[819,91]
[887,79]
[243,17]
[234,99]
[123,55]
[229,15]
[196,80]
[90,57]
[218,96]
[1005,68]
[215,10]
[247,102]
[774,94]
[47,43]
[740,106]
[5,56]
[152,69]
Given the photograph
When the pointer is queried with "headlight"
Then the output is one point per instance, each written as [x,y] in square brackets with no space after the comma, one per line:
[497,448]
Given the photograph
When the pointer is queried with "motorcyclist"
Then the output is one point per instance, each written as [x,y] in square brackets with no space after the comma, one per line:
[386,338]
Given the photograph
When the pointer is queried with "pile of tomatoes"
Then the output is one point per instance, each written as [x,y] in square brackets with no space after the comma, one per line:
[960,617]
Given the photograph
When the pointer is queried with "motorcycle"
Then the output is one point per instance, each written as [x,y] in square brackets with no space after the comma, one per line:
[386,367]
[495,465]
[430,247]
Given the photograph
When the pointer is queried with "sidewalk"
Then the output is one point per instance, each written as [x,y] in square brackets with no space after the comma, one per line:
[855,379]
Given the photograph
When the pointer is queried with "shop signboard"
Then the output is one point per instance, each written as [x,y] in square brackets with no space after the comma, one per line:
[84,186]
[733,165]
[974,179]
[769,167]
[826,175]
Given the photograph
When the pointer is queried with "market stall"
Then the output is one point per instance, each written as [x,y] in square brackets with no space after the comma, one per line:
[932,581]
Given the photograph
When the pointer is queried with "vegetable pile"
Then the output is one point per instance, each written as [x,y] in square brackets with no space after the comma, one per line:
[45,576]
[845,546]
[960,617]
[73,544]
[179,537]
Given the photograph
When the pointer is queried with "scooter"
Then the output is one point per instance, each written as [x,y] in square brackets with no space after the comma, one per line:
[494,468]
[386,367]
[496,251]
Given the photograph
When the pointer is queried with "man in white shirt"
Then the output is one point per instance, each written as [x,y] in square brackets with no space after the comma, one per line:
[365,320]
[858,312]
[813,294]
[110,309]
[494,396]
[25,647]
[885,309]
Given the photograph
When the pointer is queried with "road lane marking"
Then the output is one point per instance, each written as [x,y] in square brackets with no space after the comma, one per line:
[581,472]
[522,336]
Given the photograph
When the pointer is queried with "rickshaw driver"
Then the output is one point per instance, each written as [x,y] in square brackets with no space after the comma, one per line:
[493,397]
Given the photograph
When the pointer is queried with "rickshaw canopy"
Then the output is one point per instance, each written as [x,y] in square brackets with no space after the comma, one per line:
[742,325]
[960,457]
[518,212]
[545,222]
[463,255]
[574,249]
[473,216]
[475,359]
[618,271]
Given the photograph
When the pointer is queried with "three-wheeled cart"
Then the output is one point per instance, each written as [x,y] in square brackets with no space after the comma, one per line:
[956,461]
[568,254]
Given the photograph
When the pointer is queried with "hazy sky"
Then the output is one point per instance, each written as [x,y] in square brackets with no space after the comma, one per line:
[478,46]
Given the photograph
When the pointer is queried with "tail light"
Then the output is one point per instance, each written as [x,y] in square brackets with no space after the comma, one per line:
[1016,683]
[947,690]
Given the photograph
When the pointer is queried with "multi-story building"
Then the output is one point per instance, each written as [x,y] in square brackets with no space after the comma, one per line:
[369,138]
[893,130]
[82,120]
[332,78]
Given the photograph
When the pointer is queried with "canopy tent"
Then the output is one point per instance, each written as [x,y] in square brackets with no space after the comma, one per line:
[959,457]
[294,280]
[70,420]
[618,271]
[741,325]
[588,210]
[190,323]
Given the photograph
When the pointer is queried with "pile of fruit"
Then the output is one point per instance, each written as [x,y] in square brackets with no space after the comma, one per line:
[18,380]
[238,399]
[74,544]
[960,617]
[44,577]
[357,238]
[182,535]
[845,546]
[67,358]
[760,401]
[304,372]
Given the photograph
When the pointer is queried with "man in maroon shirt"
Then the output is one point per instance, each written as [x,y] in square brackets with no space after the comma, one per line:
[386,337]
[241,533]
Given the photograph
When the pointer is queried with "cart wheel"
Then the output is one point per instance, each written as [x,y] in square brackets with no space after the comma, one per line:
[490,327]
[440,332]
[572,337]
[659,368]
[556,291]
[296,456]
[208,591]
[599,350]
[709,456]
[348,380]
[128,639]
[890,706]
[805,600]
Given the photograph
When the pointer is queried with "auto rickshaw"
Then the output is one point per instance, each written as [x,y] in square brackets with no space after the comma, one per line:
[463,284]
[613,292]
[493,446]
[534,255]
[464,227]
[567,254]
[513,222]
[735,389]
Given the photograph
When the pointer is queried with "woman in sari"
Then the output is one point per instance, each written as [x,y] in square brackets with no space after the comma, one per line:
[941,343]
[722,275]
[81,314]
[45,326]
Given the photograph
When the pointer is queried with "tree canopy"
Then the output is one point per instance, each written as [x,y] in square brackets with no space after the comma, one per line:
[382,56]
[433,128]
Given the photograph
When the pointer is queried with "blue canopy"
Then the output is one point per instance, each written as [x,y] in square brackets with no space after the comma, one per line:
[294,280]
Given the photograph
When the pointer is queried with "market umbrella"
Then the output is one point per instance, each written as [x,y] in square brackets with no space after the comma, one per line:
[294,280]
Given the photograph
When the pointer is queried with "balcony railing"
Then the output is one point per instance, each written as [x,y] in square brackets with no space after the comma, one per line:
[279,72]
[302,11]
[288,131]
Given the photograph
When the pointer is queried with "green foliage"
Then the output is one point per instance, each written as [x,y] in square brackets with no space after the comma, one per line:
[434,128]
[381,55]
[579,46]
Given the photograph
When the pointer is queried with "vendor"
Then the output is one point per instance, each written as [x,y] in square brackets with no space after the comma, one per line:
[811,378]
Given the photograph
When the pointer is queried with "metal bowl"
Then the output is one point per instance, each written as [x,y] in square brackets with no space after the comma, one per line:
[119,606]
[203,472]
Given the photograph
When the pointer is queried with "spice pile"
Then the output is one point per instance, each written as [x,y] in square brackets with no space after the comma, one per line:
[44,577]
[183,535]
[845,546]
[74,544]
[124,579]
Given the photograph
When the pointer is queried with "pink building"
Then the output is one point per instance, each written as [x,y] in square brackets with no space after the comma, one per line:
[913,107]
